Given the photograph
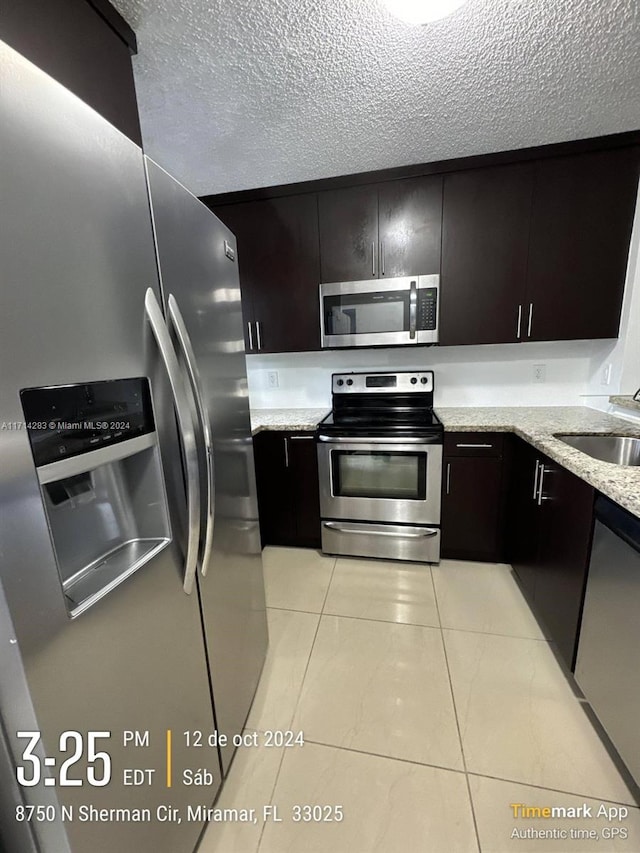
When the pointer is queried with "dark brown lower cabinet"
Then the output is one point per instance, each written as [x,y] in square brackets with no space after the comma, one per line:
[472,496]
[288,495]
[551,526]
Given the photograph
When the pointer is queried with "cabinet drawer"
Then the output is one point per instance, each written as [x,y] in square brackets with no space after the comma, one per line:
[473,444]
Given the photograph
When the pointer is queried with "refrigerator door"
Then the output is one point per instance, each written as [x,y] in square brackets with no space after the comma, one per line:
[201,290]
[77,258]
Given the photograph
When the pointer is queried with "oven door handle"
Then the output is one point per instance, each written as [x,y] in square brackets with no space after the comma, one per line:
[426,533]
[340,439]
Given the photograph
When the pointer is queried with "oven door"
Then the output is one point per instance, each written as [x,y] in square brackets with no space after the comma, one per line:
[381,480]
[380,312]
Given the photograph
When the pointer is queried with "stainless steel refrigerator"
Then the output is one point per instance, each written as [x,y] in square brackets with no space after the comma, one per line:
[131,591]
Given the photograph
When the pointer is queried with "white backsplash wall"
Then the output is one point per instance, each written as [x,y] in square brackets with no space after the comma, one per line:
[622,357]
[492,375]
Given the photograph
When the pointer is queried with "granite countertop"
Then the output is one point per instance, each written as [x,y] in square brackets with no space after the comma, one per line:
[537,426]
[626,403]
[305,420]
[534,424]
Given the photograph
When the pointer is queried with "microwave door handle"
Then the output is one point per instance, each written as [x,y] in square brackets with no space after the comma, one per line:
[413,310]
[177,323]
[186,433]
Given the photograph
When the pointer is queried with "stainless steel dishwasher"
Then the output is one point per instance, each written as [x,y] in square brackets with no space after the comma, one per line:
[607,667]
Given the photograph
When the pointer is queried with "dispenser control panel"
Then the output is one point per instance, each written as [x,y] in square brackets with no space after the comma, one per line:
[67,420]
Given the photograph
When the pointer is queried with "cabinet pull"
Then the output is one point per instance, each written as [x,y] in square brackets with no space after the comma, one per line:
[258,335]
[448,477]
[488,446]
[530,319]
[543,471]
[301,437]
[382,256]
[535,480]
[286,452]
[250,336]
[519,321]
[373,259]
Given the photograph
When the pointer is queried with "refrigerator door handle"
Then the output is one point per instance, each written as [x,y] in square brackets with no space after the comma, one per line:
[186,431]
[177,323]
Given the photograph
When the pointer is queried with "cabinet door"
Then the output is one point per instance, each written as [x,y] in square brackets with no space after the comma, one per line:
[243,220]
[279,262]
[471,507]
[410,226]
[523,538]
[72,41]
[274,489]
[583,210]
[349,234]
[485,234]
[287,274]
[305,493]
[567,525]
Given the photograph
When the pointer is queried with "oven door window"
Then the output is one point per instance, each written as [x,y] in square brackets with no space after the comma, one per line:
[367,313]
[390,474]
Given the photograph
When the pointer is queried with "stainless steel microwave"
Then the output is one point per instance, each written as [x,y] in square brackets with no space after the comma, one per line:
[380,312]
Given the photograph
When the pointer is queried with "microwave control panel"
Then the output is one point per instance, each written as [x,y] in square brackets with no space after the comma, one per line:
[428,309]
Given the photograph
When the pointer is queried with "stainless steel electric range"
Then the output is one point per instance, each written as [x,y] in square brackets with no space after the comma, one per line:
[380,467]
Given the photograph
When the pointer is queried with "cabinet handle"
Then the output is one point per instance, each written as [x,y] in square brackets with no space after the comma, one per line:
[519,321]
[258,335]
[543,471]
[382,255]
[530,319]
[535,480]
[373,259]
[488,446]
[301,437]
[448,477]
[250,336]
[286,452]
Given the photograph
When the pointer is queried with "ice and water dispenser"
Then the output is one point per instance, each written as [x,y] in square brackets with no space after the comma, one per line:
[98,463]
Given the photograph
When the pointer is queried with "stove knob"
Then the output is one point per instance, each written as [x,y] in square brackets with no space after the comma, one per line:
[340,381]
[349,381]
[413,380]
[424,380]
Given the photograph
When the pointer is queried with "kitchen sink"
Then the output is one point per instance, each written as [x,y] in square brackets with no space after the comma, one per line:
[618,449]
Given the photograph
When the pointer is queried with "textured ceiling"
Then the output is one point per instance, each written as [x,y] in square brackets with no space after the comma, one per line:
[249,93]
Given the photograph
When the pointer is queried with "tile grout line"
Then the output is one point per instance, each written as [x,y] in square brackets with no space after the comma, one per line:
[412,624]
[455,714]
[386,757]
[319,615]
[554,790]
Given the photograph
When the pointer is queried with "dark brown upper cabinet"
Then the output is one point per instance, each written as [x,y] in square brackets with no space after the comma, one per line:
[579,244]
[381,231]
[349,234]
[410,227]
[485,235]
[85,46]
[279,266]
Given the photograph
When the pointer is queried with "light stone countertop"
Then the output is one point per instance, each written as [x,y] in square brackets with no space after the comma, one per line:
[306,420]
[534,424]
[626,403]
[537,426]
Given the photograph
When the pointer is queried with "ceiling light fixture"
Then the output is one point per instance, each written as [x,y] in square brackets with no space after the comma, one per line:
[422,11]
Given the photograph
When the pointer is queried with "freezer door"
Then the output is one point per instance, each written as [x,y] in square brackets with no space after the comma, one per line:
[77,257]
[201,288]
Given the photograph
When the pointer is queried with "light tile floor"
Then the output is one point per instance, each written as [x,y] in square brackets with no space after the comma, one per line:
[430,703]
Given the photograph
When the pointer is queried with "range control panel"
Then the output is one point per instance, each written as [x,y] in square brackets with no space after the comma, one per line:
[406,382]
